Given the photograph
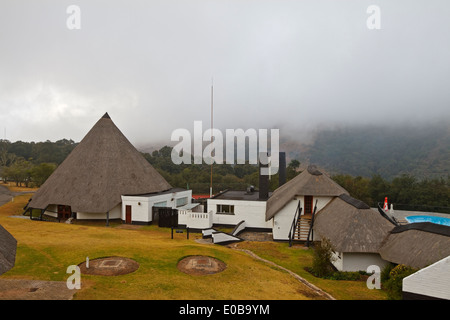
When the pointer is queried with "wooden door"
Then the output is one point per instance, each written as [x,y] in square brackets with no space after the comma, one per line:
[128,214]
[308,208]
[64,212]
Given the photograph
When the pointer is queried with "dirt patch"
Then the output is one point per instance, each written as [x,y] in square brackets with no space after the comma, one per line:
[201,265]
[110,266]
[13,289]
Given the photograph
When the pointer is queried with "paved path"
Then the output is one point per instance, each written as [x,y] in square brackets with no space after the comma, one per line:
[5,195]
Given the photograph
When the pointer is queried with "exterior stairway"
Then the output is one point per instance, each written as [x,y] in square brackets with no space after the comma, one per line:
[302,229]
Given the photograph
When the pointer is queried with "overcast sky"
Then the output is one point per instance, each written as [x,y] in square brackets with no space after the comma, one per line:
[276,64]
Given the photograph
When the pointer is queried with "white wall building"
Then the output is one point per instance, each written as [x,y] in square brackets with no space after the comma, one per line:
[138,209]
[232,207]
[282,221]
[311,187]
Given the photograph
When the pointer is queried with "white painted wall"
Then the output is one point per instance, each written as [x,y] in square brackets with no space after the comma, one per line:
[141,206]
[252,212]
[358,261]
[114,213]
[282,221]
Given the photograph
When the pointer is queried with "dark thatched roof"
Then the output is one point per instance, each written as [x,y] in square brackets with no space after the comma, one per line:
[417,244]
[351,225]
[8,246]
[104,166]
[310,182]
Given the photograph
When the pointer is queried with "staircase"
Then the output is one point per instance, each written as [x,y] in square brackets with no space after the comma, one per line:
[302,229]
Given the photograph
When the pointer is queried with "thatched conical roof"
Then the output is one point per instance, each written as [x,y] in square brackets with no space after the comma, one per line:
[101,168]
[8,246]
[310,182]
[351,225]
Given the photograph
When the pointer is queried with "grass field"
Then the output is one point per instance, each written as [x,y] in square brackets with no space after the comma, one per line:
[46,249]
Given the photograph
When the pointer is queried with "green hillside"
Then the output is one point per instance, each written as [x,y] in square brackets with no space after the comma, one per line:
[421,151]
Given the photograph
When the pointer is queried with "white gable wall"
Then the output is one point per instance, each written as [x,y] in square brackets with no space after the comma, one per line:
[282,220]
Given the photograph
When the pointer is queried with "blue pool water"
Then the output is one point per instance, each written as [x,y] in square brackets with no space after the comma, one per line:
[432,219]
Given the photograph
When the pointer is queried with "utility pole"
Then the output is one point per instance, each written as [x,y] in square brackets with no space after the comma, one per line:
[212,109]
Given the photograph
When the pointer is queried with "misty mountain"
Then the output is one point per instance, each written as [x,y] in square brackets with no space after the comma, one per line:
[421,150]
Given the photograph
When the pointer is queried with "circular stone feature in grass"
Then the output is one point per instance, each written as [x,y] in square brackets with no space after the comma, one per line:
[110,266]
[201,265]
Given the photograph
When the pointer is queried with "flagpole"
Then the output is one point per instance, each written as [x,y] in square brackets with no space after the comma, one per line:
[212,104]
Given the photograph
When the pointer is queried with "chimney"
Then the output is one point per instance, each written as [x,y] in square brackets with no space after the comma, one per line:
[282,169]
[263,179]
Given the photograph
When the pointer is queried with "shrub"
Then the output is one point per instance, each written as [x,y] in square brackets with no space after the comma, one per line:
[385,272]
[346,275]
[394,284]
[322,259]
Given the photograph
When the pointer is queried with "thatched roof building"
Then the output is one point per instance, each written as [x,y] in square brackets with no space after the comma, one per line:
[8,246]
[351,225]
[104,166]
[309,182]
[417,244]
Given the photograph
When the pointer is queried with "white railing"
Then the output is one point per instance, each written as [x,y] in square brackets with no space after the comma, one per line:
[195,220]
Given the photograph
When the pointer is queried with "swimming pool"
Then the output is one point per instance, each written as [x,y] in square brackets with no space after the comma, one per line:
[432,219]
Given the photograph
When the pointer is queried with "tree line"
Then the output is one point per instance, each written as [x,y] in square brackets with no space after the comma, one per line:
[30,164]
[406,192]
[224,176]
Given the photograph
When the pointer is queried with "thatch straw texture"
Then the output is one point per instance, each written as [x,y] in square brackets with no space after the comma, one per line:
[351,226]
[8,246]
[310,182]
[104,166]
[417,244]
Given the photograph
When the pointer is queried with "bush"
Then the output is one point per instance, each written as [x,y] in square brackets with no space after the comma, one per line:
[393,285]
[385,272]
[346,275]
[322,259]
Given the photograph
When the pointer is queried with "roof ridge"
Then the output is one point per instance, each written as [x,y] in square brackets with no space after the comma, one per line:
[358,204]
[424,226]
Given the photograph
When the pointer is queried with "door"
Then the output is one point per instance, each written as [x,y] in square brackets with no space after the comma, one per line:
[128,214]
[308,208]
[64,212]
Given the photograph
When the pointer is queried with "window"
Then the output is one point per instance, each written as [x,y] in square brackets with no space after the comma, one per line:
[181,202]
[160,204]
[225,209]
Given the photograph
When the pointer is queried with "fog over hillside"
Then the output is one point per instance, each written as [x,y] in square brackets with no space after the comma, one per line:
[422,150]
[292,65]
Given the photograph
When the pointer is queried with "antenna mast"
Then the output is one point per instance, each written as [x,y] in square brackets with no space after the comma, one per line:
[212,104]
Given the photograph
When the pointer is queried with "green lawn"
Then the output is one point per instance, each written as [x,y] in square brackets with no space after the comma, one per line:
[46,249]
